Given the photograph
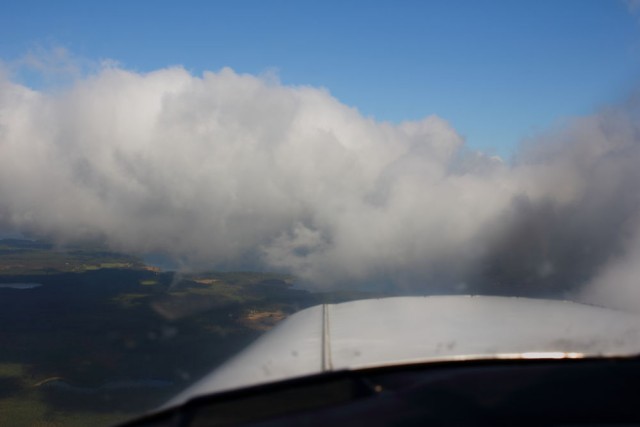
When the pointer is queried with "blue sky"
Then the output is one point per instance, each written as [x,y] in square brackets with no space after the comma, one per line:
[499,71]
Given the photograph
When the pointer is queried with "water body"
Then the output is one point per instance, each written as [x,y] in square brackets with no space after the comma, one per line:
[4,234]
[61,384]
[20,285]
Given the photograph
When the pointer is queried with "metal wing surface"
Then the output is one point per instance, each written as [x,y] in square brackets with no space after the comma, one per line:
[400,330]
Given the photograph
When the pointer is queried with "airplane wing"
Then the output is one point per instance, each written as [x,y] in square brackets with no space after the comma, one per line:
[351,349]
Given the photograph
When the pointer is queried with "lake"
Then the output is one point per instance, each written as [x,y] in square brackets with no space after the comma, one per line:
[20,285]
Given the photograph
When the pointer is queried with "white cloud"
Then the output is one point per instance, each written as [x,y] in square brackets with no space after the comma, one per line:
[229,169]
[633,5]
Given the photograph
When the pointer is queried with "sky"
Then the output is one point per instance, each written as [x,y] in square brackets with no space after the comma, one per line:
[497,71]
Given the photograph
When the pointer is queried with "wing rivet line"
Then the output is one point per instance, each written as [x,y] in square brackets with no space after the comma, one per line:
[326,340]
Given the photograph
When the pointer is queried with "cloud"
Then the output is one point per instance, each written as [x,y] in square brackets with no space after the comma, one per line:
[49,65]
[239,171]
[633,5]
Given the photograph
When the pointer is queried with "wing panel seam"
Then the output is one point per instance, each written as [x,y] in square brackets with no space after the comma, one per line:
[326,340]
